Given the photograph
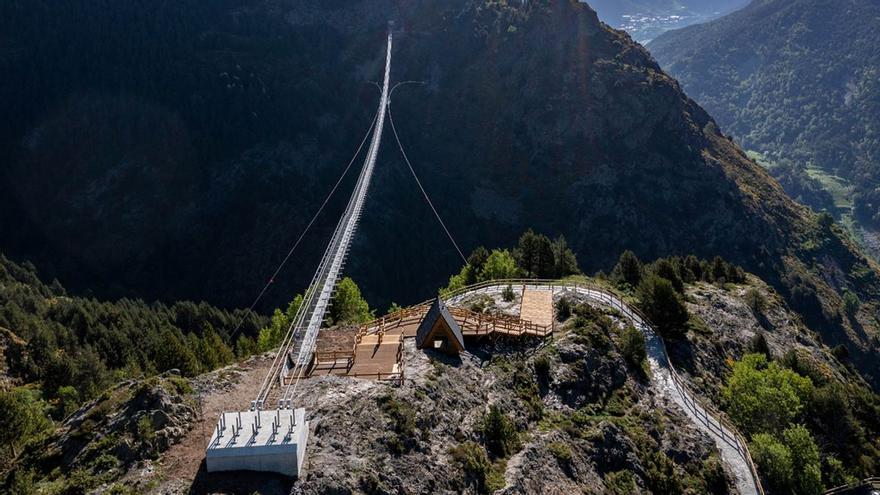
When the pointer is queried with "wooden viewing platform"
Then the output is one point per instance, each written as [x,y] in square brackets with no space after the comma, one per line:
[537,307]
[375,349]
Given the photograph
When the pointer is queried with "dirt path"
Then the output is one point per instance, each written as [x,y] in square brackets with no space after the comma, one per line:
[222,390]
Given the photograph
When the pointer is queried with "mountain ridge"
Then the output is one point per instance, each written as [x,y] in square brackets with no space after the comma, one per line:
[636,165]
[795,82]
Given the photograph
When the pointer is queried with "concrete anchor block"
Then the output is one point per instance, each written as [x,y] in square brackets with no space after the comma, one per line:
[266,450]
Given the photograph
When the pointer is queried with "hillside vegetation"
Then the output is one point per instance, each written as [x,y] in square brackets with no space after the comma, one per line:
[799,82]
[69,349]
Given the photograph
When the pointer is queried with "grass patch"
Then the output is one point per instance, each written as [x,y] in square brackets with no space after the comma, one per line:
[561,451]
[478,471]
[402,437]
[839,188]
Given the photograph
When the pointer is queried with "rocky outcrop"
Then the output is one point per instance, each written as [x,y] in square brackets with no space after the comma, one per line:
[133,422]
[734,318]
[588,419]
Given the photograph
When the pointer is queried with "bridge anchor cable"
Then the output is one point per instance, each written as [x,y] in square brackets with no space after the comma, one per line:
[421,188]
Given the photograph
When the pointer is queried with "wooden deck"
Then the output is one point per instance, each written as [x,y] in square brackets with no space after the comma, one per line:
[537,307]
[375,349]
[475,324]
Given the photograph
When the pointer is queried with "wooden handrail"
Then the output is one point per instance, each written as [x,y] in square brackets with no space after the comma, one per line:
[321,356]
[872,482]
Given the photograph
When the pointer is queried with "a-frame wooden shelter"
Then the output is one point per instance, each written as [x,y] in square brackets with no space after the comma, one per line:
[440,331]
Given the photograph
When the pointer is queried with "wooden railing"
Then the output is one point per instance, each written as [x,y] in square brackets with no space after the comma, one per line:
[726,430]
[392,320]
[873,483]
[326,356]
[474,323]
[397,377]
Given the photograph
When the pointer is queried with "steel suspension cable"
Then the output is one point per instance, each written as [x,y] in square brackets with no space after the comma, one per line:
[305,231]
[334,256]
[294,327]
[424,193]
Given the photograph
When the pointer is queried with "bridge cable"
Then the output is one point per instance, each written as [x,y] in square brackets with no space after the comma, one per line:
[425,194]
[304,232]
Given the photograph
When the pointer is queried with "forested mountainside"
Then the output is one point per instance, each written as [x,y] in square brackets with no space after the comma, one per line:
[646,19]
[799,83]
[176,152]
[73,348]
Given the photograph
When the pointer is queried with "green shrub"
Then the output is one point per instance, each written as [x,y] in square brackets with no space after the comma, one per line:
[24,419]
[499,265]
[145,430]
[472,459]
[508,294]
[804,460]
[664,268]
[19,482]
[348,304]
[526,388]
[560,451]
[632,346]
[840,352]
[620,483]
[774,461]
[563,309]
[663,306]
[181,385]
[835,473]
[403,435]
[714,477]
[79,482]
[661,475]
[755,301]
[542,367]
[628,270]
[592,333]
[68,401]
[765,398]
[758,345]
[790,464]
[502,439]
[103,463]
[851,303]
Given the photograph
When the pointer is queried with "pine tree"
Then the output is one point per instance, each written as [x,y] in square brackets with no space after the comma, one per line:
[628,270]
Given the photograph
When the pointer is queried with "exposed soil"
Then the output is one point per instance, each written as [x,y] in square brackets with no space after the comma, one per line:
[182,468]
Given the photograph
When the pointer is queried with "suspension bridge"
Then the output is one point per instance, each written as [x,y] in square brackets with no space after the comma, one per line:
[272,434]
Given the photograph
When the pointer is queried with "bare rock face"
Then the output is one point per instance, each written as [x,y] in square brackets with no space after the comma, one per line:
[614,451]
[537,470]
[585,375]
[734,318]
